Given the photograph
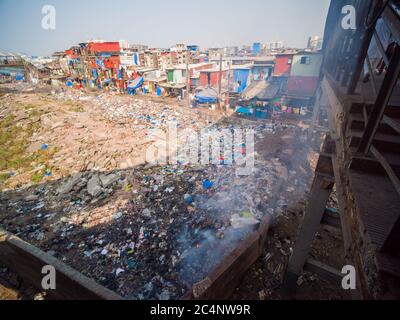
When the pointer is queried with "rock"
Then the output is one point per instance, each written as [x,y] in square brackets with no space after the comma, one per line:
[147,212]
[32,197]
[69,185]
[117,215]
[93,186]
[107,180]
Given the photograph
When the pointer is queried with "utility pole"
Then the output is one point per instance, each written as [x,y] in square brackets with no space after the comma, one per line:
[229,85]
[187,79]
[220,81]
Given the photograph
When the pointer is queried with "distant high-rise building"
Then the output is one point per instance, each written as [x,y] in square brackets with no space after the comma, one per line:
[231,51]
[274,45]
[178,47]
[256,48]
[315,43]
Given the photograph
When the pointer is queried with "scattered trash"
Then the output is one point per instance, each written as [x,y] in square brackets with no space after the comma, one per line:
[188,198]
[207,184]
[118,271]
[150,231]
[117,215]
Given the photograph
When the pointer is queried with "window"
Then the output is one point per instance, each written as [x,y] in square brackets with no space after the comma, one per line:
[305,60]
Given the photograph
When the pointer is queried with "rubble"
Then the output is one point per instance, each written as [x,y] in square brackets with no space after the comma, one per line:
[93,186]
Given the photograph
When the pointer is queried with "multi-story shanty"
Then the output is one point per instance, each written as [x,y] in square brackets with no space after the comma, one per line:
[361,155]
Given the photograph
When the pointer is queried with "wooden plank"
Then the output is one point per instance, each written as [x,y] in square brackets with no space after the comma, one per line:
[381,48]
[384,142]
[324,165]
[27,261]
[222,281]
[392,122]
[371,165]
[372,75]
[377,205]
[390,172]
[361,54]
[319,195]
[388,264]
[392,242]
[323,270]
[382,101]
[263,231]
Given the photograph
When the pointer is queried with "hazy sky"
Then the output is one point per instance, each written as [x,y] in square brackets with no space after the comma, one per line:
[160,23]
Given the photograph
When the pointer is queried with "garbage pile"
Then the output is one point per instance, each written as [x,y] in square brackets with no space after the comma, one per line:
[151,232]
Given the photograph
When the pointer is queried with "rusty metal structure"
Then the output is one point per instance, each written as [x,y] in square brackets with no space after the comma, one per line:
[361,154]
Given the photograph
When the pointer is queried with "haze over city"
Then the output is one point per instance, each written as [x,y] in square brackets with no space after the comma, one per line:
[160,23]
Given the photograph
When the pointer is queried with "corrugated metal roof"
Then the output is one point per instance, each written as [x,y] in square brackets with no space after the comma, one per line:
[261,90]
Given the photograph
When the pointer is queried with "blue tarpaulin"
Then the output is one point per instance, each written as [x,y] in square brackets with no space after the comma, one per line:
[203,99]
[94,72]
[240,78]
[206,95]
[100,63]
[134,85]
[244,110]
[262,114]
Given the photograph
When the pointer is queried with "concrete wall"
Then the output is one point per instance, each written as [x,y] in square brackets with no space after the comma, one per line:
[306,70]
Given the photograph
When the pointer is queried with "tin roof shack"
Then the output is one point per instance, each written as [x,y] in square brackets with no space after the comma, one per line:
[177,75]
[11,67]
[194,72]
[36,71]
[78,62]
[304,78]
[259,98]
[263,67]
[241,75]
[261,91]
[193,48]
[105,64]
[210,77]
[153,80]
[283,64]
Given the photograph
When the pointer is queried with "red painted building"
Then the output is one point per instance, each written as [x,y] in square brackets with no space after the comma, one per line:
[283,65]
[103,47]
[211,77]
[302,86]
[197,67]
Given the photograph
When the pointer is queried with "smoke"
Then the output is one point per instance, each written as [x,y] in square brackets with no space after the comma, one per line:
[281,179]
